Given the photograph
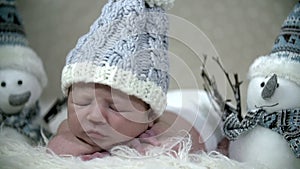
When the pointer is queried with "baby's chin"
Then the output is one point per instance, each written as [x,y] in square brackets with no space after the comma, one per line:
[88,140]
[106,144]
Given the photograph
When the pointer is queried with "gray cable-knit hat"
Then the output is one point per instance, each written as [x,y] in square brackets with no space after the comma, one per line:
[127,49]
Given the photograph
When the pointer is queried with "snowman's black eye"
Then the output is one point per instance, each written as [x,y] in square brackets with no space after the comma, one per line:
[3,84]
[20,82]
[262,84]
[277,85]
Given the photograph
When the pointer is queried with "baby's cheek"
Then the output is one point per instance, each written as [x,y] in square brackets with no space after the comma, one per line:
[133,130]
[124,126]
[74,124]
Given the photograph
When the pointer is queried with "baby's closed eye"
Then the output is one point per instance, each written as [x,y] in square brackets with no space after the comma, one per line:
[81,103]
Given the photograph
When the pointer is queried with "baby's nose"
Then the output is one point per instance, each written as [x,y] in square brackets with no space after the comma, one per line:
[96,115]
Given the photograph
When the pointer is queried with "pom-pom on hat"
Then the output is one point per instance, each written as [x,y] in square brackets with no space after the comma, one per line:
[14,50]
[284,59]
[126,48]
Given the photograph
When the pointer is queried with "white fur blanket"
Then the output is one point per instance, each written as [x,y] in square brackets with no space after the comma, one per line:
[16,154]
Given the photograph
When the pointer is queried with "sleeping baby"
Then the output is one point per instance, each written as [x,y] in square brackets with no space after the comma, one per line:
[116,80]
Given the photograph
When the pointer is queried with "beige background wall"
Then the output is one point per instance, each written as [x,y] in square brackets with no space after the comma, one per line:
[238,31]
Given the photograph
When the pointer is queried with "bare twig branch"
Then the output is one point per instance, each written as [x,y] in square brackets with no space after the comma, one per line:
[226,74]
[237,96]
[211,88]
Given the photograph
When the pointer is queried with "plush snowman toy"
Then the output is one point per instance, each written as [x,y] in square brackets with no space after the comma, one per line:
[22,79]
[261,144]
[269,133]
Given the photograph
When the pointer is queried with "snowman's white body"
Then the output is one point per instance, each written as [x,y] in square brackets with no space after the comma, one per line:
[15,82]
[262,145]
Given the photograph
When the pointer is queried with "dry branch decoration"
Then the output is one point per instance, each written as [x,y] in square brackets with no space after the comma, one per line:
[210,86]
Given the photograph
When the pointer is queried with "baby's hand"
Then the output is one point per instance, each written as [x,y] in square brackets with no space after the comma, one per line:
[223,146]
[143,141]
[150,137]
[169,125]
[88,157]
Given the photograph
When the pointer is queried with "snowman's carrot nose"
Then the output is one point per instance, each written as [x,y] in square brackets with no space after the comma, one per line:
[269,87]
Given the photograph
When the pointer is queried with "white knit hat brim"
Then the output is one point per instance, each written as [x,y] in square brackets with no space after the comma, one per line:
[116,78]
[287,67]
[24,59]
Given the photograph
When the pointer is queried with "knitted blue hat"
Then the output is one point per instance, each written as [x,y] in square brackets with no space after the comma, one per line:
[284,59]
[126,48]
[14,50]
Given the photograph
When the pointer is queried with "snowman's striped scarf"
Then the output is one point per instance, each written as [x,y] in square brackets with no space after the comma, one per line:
[24,123]
[284,122]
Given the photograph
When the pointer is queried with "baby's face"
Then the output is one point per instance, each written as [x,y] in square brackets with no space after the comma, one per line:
[102,116]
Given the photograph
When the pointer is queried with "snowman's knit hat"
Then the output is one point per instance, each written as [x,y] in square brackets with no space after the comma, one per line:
[126,49]
[284,59]
[11,26]
[14,50]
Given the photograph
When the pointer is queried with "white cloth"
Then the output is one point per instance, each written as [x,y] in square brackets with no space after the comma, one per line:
[195,107]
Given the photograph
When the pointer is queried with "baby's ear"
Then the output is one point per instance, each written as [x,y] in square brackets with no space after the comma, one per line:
[151,124]
[152,117]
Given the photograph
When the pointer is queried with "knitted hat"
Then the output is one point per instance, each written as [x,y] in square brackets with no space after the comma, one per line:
[14,50]
[284,59]
[126,48]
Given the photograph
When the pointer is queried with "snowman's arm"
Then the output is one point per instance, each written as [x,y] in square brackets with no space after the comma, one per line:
[235,89]
[211,88]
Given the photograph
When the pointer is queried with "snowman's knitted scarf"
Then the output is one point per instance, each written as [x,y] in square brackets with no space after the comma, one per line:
[284,122]
[23,122]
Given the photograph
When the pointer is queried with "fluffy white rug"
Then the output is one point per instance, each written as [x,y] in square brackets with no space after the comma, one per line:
[16,154]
